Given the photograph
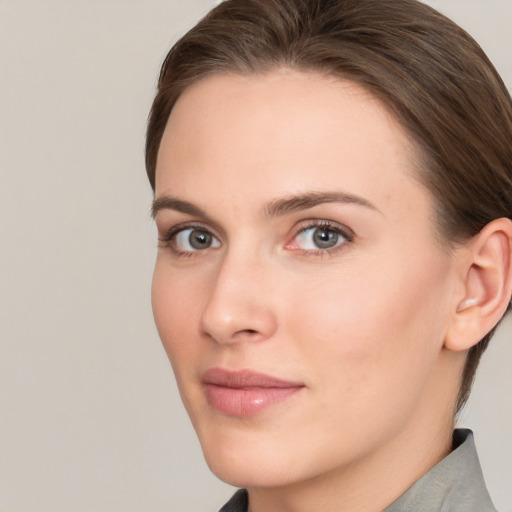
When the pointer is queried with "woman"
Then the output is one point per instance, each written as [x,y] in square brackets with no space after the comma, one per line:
[333,199]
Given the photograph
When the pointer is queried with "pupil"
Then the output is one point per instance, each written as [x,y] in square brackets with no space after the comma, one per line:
[324,239]
[200,239]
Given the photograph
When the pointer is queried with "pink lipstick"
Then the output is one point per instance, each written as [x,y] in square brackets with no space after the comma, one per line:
[245,392]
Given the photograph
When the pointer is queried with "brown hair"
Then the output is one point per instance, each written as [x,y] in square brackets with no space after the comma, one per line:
[430,73]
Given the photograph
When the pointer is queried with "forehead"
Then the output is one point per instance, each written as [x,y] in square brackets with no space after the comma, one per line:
[288,131]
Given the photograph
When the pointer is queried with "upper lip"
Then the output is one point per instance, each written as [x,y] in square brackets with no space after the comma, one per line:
[245,379]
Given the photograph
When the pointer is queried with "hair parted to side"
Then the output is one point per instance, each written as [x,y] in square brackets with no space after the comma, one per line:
[429,72]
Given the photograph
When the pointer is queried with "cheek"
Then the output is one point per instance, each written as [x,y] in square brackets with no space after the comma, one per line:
[381,325]
[176,301]
[175,309]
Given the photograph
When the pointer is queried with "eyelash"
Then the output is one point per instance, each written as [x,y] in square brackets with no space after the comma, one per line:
[346,233]
[167,239]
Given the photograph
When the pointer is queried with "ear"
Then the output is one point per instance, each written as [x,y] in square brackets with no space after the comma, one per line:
[487,286]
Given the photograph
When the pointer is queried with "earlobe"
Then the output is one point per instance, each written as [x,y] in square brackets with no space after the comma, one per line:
[487,286]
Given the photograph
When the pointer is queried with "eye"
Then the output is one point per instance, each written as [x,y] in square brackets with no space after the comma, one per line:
[191,239]
[194,239]
[319,238]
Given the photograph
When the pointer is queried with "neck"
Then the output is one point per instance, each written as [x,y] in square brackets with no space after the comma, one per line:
[370,485]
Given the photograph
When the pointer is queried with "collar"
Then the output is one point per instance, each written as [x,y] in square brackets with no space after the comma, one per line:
[455,484]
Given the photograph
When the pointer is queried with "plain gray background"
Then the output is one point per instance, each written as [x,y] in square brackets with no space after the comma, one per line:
[90,419]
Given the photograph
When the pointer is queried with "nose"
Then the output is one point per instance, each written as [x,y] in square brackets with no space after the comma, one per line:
[239,308]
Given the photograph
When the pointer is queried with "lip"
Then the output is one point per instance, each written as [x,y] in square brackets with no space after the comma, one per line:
[245,392]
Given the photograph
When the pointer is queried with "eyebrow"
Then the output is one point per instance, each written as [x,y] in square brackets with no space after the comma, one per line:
[294,203]
[173,203]
[275,208]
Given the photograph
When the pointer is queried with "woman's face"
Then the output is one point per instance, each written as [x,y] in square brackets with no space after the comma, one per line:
[300,289]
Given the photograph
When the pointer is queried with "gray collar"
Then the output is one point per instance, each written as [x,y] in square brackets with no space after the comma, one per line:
[456,484]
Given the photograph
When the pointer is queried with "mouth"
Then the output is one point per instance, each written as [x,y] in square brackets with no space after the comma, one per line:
[245,392]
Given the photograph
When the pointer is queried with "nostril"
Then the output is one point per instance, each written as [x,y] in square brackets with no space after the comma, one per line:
[227,319]
[247,335]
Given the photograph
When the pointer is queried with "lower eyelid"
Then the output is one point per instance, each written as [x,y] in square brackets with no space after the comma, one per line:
[346,234]
[168,240]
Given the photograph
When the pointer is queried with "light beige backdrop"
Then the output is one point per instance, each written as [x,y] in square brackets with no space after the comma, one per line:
[90,419]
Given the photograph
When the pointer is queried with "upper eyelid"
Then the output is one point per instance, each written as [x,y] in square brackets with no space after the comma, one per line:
[167,234]
[324,223]
[166,225]
[182,226]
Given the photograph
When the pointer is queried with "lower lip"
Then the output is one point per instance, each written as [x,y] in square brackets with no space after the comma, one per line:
[246,401]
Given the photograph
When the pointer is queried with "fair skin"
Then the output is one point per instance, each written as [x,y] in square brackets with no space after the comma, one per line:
[296,242]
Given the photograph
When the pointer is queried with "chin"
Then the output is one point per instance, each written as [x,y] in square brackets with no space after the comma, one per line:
[247,461]
[239,472]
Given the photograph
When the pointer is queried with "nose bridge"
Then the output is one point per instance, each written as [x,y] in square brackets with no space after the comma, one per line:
[239,306]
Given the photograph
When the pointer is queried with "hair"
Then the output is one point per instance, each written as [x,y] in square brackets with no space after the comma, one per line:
[429,72]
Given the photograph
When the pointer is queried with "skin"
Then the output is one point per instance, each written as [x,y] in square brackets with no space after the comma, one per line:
[361,325]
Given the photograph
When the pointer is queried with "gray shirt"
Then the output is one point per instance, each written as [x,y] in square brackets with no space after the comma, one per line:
[456,484]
